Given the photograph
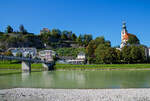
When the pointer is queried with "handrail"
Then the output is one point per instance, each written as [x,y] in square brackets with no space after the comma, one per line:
[3,57]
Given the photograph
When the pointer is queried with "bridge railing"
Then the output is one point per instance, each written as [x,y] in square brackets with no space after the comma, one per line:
[3,57]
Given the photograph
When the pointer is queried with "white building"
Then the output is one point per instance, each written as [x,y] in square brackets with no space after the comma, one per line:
[149,51]
[81,55]
[24,51]
[81,59]
[47,55]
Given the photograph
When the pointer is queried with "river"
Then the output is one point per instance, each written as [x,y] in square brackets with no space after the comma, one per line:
[78,79]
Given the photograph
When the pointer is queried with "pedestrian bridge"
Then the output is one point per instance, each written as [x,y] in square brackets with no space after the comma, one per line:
[26,62]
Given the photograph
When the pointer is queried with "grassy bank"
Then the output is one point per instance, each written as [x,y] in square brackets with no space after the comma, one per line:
[101,66]
[16,65]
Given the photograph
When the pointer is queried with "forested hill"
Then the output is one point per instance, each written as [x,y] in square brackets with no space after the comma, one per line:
[97,50]
[54,38]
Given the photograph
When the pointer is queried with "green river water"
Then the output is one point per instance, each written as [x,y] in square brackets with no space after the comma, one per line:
[77,79]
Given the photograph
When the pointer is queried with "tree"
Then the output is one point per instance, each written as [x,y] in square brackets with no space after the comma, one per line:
[1,33]
[87,38]
[126,54]
[119,56]
[79,40]
[56,33]
[45,37]
[9,29]
[69,34]
[105,54]
[19,54]
[64,36]
[22,29]
[133,40]
[73,37]
[94,47]
[91,48]
[138,54]
[8,53]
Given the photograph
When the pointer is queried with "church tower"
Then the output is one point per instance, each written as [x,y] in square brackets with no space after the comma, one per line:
[124,35]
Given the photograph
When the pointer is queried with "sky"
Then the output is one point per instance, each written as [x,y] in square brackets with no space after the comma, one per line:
[96,17]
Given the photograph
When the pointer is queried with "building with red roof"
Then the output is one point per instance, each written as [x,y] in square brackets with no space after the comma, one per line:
[124,35]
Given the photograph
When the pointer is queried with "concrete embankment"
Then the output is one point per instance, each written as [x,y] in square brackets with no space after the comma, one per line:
[33,94]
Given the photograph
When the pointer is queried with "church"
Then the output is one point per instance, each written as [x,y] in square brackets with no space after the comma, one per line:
[125,35]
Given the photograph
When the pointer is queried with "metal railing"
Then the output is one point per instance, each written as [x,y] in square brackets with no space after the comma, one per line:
[3,57]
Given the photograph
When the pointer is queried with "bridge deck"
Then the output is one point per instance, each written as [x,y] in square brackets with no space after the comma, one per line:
[3,57]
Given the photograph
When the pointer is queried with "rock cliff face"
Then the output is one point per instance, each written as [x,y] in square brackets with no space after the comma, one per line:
[30,40]
[11,40]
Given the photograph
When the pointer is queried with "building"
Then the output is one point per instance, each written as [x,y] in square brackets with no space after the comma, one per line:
[44,30]
[124,38]
[125,35]
[81,55]
[81,59]
[47,55]
[24,51]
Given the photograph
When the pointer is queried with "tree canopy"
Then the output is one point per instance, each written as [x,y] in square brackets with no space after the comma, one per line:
[9,29]
[133,40]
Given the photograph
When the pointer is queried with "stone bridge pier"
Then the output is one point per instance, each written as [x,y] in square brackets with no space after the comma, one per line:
[47,66]
[26,66]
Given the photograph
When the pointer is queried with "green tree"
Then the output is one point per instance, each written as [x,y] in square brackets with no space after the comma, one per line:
[64,36]
[79,40]
[93,52]
[69,35]
[19,54]
[138,54]
[8,53]
[56,33]
[126,54]
[133,40]
[91,48]
[1,33]
[9,29]
[45,37]
[105,54]
[119,56]
[133,54]
[22,29]
[87,38]
[73,37]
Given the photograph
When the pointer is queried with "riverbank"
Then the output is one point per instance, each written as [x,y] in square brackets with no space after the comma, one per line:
[18,66]
[33,94]
[38,66]
[12,67]
[102,67]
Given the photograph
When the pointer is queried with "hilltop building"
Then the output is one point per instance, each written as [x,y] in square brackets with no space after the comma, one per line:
[44,30]
[124,35]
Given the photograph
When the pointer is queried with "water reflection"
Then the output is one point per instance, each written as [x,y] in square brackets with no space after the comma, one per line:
[78,79]
[25,76]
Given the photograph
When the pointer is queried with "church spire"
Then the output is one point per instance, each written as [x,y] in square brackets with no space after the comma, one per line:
[124,25]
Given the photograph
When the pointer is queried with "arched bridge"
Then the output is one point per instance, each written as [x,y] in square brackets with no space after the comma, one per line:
[26,62]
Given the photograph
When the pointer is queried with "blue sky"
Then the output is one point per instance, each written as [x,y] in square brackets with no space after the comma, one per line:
[96,17]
